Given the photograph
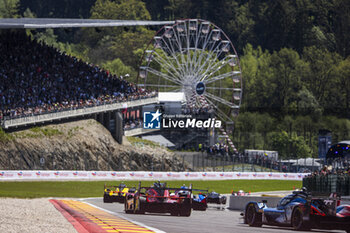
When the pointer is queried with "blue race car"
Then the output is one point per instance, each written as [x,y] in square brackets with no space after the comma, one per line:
[300,211]
[216,198]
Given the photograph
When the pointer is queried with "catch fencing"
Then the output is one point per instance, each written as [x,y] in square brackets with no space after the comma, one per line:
[202,161]
[326,184]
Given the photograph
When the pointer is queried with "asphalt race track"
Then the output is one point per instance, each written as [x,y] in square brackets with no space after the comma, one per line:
[212,220]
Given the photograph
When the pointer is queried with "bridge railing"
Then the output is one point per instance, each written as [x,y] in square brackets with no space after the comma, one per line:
[74,112]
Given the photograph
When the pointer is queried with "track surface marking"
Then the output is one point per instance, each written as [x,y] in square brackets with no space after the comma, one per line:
[215,219]
[86,218]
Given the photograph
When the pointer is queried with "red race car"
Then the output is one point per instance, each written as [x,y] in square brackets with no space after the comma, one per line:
[159,199]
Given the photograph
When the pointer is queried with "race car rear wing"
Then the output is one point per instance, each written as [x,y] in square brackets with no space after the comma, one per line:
[119,187]
[173,189]
[327,204]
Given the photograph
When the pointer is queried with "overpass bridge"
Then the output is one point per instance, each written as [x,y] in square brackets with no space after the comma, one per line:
[107,114]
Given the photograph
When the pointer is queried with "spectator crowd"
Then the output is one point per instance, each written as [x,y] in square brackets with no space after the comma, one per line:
[221,149]
[334,170]
[196,110]
[37,78]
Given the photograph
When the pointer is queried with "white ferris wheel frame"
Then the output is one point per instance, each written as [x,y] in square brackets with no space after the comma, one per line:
[193,51]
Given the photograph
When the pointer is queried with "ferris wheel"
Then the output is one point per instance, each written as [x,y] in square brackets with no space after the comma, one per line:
[197,58]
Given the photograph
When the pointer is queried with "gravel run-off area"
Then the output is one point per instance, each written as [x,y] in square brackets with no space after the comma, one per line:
[31,215]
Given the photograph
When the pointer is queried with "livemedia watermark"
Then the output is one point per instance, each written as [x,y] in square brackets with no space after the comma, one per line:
[156,120]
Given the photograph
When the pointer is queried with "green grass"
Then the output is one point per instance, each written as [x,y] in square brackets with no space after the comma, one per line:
[135,141]
[47,131]
[95,188]
[139,142]
[4,137]
[36,132]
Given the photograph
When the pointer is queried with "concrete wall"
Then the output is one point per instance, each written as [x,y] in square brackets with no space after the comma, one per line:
[239,202]
[113,121]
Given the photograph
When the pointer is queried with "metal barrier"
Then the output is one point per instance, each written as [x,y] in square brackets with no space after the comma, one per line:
[29,120]
[203,161]
[17,175]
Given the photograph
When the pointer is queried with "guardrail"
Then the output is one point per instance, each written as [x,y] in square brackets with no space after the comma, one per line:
[34,119]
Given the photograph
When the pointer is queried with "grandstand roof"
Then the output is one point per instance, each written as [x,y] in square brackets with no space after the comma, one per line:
[71,23]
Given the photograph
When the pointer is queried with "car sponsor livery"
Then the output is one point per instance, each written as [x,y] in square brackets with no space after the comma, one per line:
[161,199]
[116,193]
[301,211]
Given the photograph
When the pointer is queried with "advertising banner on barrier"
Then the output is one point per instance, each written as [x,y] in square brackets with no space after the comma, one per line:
[142,175]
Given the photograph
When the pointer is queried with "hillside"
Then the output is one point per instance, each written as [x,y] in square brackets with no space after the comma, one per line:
[80,145]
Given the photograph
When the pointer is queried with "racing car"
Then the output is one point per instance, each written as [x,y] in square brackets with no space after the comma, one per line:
[199,202]
[240,193]
[301,211]
[116,193]
[216,198]
[159,199]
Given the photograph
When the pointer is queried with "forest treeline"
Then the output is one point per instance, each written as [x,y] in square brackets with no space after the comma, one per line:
[294,54]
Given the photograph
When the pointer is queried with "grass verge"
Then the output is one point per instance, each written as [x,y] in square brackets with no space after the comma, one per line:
[95,188]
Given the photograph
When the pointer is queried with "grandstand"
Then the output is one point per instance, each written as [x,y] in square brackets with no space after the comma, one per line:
[41,84]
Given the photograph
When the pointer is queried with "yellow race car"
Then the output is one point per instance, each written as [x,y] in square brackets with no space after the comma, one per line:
[116,193]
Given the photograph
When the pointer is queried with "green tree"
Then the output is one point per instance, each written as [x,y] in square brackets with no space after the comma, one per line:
[287,72]
[265,124]
[109,44]
[307,128]
[274,23]
[289,147]
[28,14]
[58,9]
[257,75]
[158,9]
[9,8]
[339,127]
[48,36]
[341,22]
[118,67]
[307,104]
[320,79]
[279,142]
[246,128]
[342,87]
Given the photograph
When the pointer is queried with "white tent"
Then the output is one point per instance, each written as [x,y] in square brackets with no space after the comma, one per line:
[308,162]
